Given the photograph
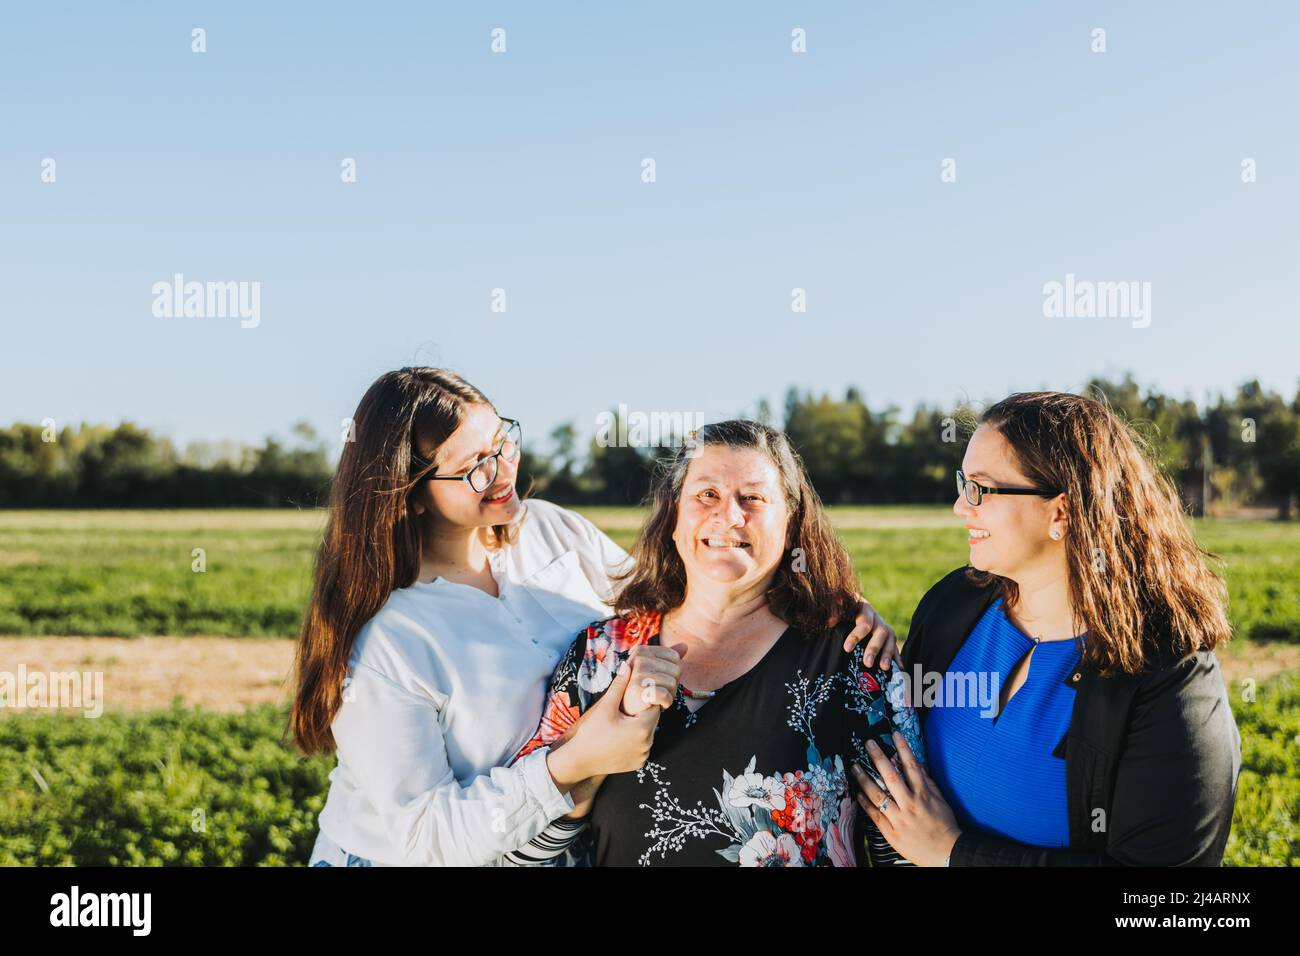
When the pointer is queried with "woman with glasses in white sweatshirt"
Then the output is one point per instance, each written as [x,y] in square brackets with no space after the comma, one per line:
[441,605]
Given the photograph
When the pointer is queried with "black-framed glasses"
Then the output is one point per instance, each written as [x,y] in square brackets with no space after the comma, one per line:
[481,476]
[974,492]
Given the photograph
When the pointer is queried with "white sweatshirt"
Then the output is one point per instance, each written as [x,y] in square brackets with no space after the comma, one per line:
[446,684]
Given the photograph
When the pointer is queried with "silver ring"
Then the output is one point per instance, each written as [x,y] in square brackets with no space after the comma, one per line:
[884,804]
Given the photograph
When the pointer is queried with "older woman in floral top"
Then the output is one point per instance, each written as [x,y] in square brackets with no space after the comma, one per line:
[731,626]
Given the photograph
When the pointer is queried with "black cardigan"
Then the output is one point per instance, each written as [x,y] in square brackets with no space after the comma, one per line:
[1151,761]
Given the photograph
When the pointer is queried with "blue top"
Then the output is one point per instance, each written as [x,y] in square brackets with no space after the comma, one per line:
[997,769]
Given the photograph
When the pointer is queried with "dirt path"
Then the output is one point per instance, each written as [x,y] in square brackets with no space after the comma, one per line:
[143,673]
[228,674]
[1257,661]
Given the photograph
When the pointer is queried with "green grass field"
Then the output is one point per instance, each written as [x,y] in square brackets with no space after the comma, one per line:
[182,787]
[189,787]
[129,572]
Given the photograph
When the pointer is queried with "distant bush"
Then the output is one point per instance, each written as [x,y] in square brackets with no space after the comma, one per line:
[126,466]
[1250,441]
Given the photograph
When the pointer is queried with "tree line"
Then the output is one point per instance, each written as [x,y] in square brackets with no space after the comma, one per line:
[1239,450]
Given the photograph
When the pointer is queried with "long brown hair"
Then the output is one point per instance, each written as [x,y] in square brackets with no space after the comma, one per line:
[1139,582]
[814,589]
[371,544]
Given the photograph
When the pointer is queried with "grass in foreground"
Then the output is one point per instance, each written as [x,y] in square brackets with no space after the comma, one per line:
[189,787]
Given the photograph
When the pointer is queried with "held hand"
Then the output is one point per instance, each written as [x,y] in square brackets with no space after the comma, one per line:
[883,643]
[610,741]
[656,672]
[916,821]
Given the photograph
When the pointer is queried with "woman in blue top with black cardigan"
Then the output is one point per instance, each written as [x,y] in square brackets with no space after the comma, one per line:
[1072,708]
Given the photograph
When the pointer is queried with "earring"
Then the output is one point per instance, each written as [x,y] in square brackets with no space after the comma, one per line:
[1056,536]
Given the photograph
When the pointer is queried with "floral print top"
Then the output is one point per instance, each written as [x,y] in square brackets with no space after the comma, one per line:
[756,776]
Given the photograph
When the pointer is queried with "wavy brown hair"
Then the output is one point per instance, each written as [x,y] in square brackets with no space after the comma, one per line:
[813,592]
[371,544]
[1139,583]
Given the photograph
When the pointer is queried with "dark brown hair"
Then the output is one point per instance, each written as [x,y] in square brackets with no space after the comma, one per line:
[813,591]
[371,544]
[1139,583]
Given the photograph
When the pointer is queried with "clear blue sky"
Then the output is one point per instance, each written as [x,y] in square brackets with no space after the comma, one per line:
[522,171]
